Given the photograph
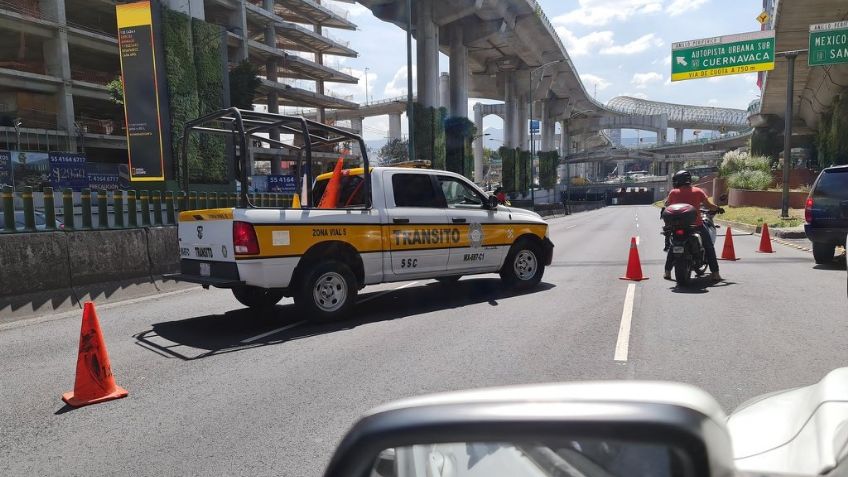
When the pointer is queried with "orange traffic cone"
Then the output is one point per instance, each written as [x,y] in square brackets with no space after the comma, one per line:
[765,241]
[94,382]
[634,266]
[728,252]
[331,193]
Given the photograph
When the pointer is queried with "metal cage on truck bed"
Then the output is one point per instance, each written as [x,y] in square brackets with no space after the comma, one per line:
[243,126]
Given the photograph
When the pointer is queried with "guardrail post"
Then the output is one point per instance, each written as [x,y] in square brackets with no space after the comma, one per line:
[49,209]
[85,198]
[8,208]
[157,206]
[29,210]
[182,201]
[118,208]
[102,210]
[144,198]
[169,207]
[213,200]
[192,200]
[202,200]
[132,212]
[68,208]
[233,200]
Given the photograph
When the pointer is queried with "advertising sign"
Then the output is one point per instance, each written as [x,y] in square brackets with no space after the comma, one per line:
[282,184]
[67,171]
[6,177]
[723,55]
[141,92]
[828,44]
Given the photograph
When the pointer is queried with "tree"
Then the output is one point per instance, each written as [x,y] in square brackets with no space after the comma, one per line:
[394,151]
[244,79]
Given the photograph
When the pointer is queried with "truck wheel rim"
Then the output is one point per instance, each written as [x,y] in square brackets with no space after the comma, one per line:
[330,292]
[525,265]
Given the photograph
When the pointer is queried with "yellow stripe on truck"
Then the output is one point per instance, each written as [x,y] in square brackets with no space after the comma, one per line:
[206,214]
[295,240]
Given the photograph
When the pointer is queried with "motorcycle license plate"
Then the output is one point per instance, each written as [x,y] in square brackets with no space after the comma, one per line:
[677,250]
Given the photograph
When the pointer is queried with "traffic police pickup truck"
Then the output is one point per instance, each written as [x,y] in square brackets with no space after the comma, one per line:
[392,224]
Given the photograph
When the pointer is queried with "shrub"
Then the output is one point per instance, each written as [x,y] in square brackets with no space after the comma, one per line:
[735,161]
[750,180]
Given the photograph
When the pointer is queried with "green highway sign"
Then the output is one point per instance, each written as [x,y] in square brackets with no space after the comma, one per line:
[722,55]
[828,44]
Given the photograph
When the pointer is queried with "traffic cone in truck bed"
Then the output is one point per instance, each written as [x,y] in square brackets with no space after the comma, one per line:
[634,266]
[94,381]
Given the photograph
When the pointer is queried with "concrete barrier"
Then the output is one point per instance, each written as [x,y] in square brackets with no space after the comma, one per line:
[47,271]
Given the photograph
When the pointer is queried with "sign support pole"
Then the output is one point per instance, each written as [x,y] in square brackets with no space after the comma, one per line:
[787,128]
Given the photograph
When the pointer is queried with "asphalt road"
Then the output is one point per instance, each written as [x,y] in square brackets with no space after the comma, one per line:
[217,390]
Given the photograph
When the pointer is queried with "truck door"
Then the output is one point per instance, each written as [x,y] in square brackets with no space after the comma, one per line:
[418,230]
[484,238]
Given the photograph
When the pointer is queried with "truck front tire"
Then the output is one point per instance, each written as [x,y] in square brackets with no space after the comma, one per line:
[523,267]
[258,298]
[328,291]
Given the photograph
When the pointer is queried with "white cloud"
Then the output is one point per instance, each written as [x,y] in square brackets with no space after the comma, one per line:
[643,43]
[603,12]
[712,101]
[355,9]
[357,91]
[397,86]
[679,7]
[643,80]
[592,81]
[583,45]
[667,61]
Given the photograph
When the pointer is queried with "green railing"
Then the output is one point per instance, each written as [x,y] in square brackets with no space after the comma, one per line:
[112,210]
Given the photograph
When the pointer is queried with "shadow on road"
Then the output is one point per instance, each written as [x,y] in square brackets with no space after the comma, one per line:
[236,330]
[700,285]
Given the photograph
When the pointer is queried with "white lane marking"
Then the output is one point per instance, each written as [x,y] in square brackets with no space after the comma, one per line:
[385,292]
[622,346]
[272,332]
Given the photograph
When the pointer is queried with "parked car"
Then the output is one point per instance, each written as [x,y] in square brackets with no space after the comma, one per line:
[40,221]
[826,213]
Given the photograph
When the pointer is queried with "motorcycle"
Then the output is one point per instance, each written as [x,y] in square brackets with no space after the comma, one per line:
[684,242]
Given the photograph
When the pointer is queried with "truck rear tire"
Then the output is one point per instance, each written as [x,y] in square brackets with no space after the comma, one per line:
[255,297]
[823,252]
[523,267]
[328,291]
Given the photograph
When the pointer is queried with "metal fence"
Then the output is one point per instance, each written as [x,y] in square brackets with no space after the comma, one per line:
[112,209]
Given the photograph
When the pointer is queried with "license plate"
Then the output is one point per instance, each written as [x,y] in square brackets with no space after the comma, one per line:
[677,250]
[205,270]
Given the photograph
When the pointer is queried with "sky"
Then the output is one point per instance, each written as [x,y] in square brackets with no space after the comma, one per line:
[619,48]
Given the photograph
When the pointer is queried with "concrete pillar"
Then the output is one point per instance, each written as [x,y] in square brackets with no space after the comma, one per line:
[458,75]
[394,126]
[548,127]
[57,64]
[321,113]
[678,135]
[356,126]
[564,139]
[509,110]
[427,53]
[238,20]
[478,144]
[444,91]
[621,166]
[522,126]
[662,136]
[192,8]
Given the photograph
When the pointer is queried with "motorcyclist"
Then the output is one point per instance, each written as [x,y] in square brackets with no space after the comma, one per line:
[685,193]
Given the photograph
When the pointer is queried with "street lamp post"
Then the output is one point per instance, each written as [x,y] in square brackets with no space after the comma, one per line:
[366,85]
[532,134]
[409,106]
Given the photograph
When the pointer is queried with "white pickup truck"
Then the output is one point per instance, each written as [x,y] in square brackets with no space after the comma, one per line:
[392,224]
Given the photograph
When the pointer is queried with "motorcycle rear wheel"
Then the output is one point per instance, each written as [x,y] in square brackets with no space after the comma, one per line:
[682,272]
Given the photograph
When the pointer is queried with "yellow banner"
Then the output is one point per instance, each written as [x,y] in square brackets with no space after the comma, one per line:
[732,70]
[133,14]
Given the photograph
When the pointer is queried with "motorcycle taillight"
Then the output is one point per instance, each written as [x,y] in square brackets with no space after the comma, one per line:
[679,232]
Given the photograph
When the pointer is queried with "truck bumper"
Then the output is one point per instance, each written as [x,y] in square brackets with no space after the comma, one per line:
[829,235]
[547,251]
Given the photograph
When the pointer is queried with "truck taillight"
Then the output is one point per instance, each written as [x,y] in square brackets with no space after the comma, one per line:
[808,210]
[244,239]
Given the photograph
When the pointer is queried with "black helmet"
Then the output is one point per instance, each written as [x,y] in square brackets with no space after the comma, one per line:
[681,178]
